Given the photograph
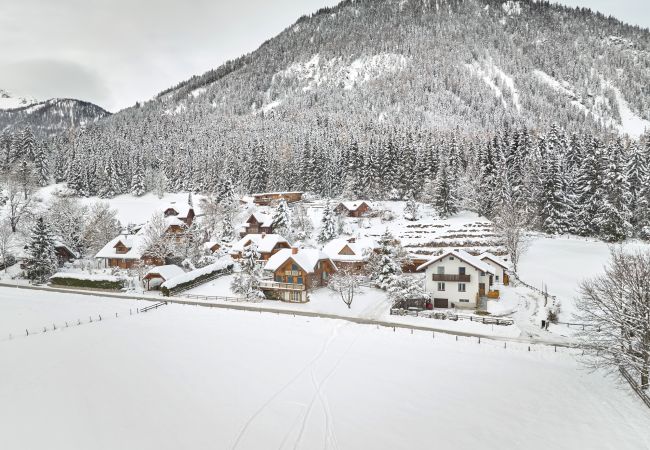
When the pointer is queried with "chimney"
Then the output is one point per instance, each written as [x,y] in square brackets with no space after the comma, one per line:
[294,250]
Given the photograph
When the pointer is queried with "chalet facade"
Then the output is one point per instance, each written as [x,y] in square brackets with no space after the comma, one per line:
[500,267]
[267,245]
[350,254]
[258,223]
[353,209]
[457,279]
[270,198]
[294,272]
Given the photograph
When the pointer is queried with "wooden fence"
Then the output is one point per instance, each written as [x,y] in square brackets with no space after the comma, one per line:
[452,316]
[635,387]
[212,298]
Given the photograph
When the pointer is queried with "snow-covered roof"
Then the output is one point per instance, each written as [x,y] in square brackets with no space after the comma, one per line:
[495,259]
[59,244]
[462,255]
[174,220]
[353,206]
[221,264]
[265,242]
[134,242]
[265,220]
[306,258]
[183,209]
[210,244]
[166,272]
[334,248]
[261,194]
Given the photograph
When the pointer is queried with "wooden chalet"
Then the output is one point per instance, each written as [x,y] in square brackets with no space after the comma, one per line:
[350,254]
[294,272]
[267,245]
[182,212]
[258,223]
[353,209]
[269,198]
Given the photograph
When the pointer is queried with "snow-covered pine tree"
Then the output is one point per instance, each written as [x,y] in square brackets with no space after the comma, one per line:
[412,209]
[328,225]
[282,219]
[42,165]
[553,200]
[41,261]
[613,216]
[137,181]
[247,281]
[444,200]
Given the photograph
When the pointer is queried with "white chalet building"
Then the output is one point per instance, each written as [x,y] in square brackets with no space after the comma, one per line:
[457,279]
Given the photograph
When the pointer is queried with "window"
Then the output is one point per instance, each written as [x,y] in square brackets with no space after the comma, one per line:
[278,279]
[462,287]
[451,258]
[299,280]
[441,286]
[290,280]
[461,271]
[463,300]
[441,270]
[482,274]
[497,277]
[294,267]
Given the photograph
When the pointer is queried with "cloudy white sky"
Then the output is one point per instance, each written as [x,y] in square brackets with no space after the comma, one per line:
[116,52]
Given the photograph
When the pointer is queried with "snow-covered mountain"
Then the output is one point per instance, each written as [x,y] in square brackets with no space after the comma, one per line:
[8,101]
[46,118]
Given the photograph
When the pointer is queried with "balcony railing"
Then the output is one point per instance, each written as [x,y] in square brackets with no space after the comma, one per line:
[281,286]
[445,277]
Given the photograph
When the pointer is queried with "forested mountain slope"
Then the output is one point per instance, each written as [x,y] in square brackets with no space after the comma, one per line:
[477,104]
[47,118]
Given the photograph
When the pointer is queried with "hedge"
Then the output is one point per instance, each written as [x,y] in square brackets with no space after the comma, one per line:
[68,281]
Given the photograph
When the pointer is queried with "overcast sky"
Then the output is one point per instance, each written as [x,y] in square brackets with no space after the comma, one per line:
[116,52]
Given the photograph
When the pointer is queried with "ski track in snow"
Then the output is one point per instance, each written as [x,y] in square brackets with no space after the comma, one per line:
[277,394]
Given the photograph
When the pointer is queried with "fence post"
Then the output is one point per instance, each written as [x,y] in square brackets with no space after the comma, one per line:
[26,332]
[433,335]
[479,339]
[91,318]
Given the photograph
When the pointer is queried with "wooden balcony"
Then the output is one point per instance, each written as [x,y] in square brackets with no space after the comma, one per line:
[274,285]
[446,277]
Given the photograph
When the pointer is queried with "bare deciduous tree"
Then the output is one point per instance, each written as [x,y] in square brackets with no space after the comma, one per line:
[18,205]
[616,309]
[346,284]
[510,225]
[6,241]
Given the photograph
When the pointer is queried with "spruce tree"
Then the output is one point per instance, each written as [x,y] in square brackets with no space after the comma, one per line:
[282,218]
[328,225]
[137,181]
[41,259]
[445,200]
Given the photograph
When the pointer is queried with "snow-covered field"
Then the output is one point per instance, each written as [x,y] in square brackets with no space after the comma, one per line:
[22,309]
[562,263]
[188,377]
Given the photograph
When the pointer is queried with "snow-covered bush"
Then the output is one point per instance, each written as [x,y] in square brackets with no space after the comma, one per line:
[223,266]
[82,280]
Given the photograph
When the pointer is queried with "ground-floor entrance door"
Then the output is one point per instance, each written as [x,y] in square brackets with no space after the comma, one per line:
[481,289]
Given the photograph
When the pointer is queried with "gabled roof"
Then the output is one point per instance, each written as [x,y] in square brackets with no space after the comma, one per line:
[306,258]
[334,248]
[174,220]
[59,244]
[167,272]
[265,242]
[463,256]
[353,206]
[134,242]
[495,259]
[264,219]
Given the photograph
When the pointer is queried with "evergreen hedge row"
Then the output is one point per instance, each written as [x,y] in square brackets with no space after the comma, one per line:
[91,284]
